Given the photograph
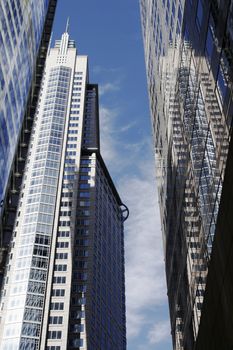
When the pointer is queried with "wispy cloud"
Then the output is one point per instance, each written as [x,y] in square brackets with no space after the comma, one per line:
[128,126]
[108,87]
[100,70]
[133,167]
[159,332]
[108,143]
[145,283]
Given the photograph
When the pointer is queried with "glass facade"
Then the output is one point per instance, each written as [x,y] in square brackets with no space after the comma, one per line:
[21,29]
[67,251]
[188,53]
[25,28]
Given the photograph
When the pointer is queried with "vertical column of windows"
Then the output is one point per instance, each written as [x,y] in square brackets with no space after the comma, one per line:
[43,191]
[76,96]
[89,129]
[70,179]
[81,256]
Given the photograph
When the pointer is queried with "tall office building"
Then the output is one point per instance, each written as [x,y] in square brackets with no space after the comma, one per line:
[189,54]
[64,285]
[25,28]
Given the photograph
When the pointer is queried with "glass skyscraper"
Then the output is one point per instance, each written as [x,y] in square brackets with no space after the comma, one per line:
[189,53]
[64,284]
[25,28]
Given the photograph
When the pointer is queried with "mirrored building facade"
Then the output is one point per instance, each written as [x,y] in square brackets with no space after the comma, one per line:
[25,28]
[189,52]
[64,284]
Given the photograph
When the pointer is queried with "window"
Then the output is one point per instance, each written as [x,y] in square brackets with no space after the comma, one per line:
[78,301]
[74,118]
[80,276]
[77,328]
[73,125]
[70,169]
[63,234]
[61,256]
[70,161]
[66,204]
[77,314]
[59,279]
[83,170]
[54,334]
[81,253]
[69,177]
[82,242]
[67,194]
[83,232]
[58,292]
[84,194]
[57,306]
[55,319]
[62,244]
[76,342]
[71,153]
[71,138]
[84,203]
[83,213]
[83,222]
[69,185]
[84,186]
[65,213]
[73,132]
[79,288]
[64,224]
[81,264]
[85,161]
[60,267]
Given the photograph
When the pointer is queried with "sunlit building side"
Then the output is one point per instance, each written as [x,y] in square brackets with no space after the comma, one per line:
[25,28]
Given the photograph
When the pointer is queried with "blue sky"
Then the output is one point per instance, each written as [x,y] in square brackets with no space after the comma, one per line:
[109,33]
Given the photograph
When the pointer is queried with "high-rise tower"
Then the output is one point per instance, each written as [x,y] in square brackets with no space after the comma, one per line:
[189,54]
[64,285]
[25,28]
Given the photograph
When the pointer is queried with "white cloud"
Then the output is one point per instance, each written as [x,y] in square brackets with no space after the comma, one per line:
[160,332]
[145,282]
[107,142]
[108,87]
[134,170]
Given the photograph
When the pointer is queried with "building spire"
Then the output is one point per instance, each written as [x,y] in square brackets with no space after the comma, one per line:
[67,24]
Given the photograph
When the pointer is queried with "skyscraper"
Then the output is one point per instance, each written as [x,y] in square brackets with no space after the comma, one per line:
[64,285]
[189,52]
[25,28]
